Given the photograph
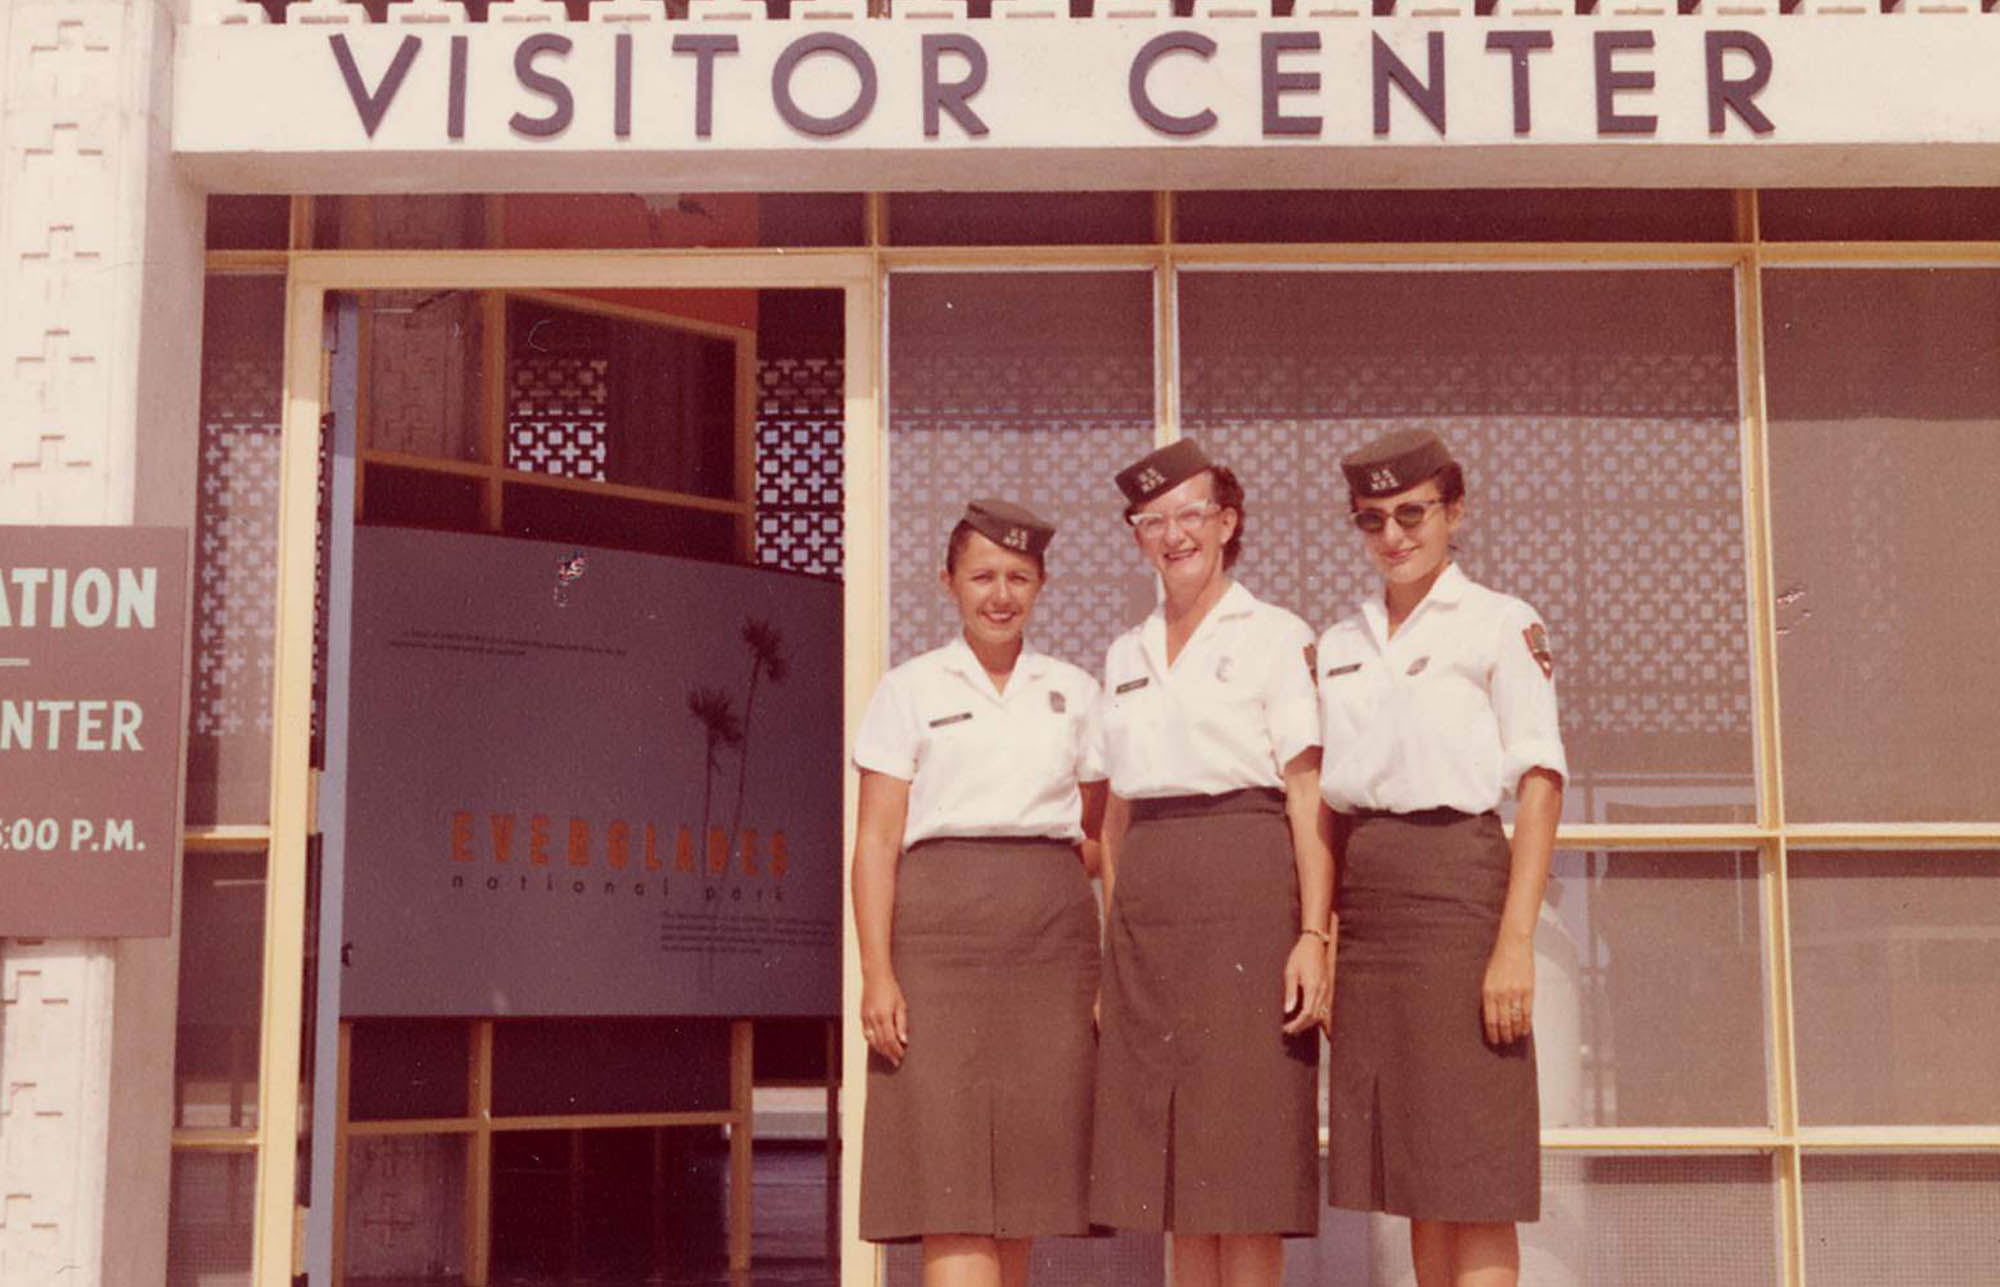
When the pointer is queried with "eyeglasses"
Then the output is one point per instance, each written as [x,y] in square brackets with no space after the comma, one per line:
[1188,518]
[1409,515]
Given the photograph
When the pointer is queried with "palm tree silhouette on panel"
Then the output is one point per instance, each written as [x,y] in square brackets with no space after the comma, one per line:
[715,711]
[767,661]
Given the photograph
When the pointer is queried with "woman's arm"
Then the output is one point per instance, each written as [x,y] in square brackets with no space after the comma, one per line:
[1308,972]
[878,840]
[1091,850]
[1507,997]
[1334,832]
[1117,819]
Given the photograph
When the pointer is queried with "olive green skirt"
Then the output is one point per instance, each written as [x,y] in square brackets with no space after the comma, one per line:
[1427,1120]
[1207,1114]
[985,1128]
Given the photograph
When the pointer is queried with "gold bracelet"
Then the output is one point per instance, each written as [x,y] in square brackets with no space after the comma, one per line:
[1319,934]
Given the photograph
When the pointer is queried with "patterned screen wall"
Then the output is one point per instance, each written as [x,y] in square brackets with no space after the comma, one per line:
[799,468]
[423,352]
[1031,386]
[557,405]
[1596,414]
[1884,392]
[236,541]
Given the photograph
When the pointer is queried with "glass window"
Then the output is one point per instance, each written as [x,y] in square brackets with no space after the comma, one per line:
[1465,214]
[236,551]
[249,223]
[1895,962]
[589,220]
[567,221]
[1596,414]
[1613,1045]
[422,392]
[1628,1220]
[1884,395]
[631,1206]
[1879,214]
[1871,1220]
[405,1207]
[1021,218]
[622,398]
[1036,387]
[408,1068]
[1101,1258]
[210,1218]
[220,1016]
[401,221]
[543,1066]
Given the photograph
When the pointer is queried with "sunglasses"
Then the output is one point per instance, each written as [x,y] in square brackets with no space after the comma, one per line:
[1409,516]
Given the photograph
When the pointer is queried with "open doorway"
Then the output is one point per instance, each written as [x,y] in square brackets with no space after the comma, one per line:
[580,975]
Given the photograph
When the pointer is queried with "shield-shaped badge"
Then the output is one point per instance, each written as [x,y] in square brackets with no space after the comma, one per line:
[1538,647]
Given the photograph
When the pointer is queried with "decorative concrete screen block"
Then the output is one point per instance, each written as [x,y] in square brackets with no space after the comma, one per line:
[1564,428]
[55,1033]
[79,159]
[1033,386]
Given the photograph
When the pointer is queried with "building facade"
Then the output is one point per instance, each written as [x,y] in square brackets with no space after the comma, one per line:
[1708,296]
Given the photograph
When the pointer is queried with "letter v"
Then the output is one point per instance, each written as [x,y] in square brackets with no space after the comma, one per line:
[373,107]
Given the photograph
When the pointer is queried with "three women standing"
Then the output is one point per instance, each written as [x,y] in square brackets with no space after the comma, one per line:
[1438,700]
[977,927]
[1434,701]
[1217,880]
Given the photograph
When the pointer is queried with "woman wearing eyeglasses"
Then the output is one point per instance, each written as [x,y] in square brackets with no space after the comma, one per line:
[1437,700]
[1217,880]
[977,929]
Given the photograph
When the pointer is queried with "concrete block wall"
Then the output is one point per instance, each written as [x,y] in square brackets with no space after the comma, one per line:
[100,305]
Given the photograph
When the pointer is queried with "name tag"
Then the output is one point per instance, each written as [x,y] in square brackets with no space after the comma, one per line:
[1348,669]
[943,720]
[1131,684]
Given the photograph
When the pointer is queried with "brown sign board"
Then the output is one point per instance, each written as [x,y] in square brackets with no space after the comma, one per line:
[93,676]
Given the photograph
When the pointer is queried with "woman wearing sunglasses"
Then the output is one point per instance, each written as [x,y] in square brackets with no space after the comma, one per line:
[1437,699]
[977,929]
[1217,879]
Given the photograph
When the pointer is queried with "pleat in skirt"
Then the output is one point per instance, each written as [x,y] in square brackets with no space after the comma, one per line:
[1427,1119]
[985,1128]
[1207,1118]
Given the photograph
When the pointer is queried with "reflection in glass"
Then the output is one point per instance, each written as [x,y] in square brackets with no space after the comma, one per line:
[209,1219]
[1649,996]
[1597,416]
[421,396]
[1884,392]
[235,551]
[219,1018]
[1895,963]
[1871,1219]
[1624,1220]
[405,1207]
[1036,387]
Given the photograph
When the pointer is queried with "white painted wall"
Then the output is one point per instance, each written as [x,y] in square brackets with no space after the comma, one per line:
[100,306]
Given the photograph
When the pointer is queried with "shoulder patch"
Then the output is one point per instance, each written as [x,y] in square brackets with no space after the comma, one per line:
[1537,640]
[1057,702]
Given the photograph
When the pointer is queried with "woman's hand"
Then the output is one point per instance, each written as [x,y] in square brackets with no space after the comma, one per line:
[1308,984]
[885,1018]
[1507,997]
